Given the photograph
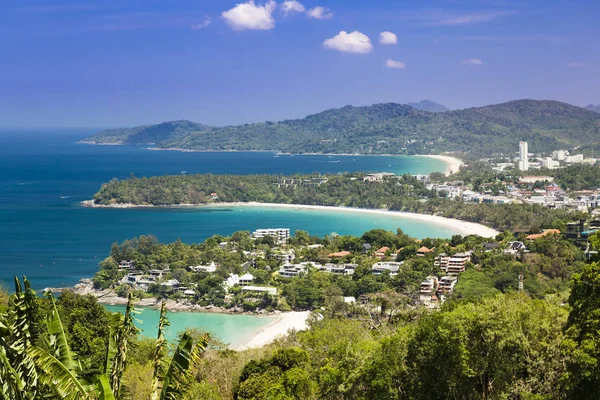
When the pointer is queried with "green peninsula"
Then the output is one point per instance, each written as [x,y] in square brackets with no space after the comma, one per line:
[360,190]
[386,129]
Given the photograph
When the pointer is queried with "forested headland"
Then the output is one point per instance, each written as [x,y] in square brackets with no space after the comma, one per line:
[400,193]
[482,344]
[387,129]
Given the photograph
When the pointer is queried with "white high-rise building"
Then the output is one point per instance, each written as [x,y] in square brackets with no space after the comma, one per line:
[523,156]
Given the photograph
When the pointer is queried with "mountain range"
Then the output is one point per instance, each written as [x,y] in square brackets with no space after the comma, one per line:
[386,129]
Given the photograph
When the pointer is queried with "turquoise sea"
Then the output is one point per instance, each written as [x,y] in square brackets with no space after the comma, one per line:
[46,235]
[230,329]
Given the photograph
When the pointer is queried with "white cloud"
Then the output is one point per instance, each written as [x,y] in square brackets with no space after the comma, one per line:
[472,61]
[575,64]
[203,24]
[389,63]
[354,42]
[388,38]
[250,16]
[292,6]
[319,13]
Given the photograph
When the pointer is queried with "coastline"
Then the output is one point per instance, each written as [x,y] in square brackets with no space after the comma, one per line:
[453,164]
[285,321]
[293,320]
[458,226]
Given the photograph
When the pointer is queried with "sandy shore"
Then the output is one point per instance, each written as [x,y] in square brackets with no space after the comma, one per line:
[457,226]
[460,227]
[453,164]
[295,320]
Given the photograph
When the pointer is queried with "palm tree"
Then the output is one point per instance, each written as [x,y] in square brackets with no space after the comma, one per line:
[31,368]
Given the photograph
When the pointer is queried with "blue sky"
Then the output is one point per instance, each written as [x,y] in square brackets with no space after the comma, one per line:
[127,62]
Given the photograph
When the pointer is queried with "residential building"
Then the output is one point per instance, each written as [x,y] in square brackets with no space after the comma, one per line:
[126,264]
[515,247]
[534,179]
[574,159]
[211,268]
[391,266]
[545,232]
[423,251]
[339,254]
[284,256]
[381,253]
[294,270]
[338,269]
[523,156]
[281,235]
[261,289]
[457,263]
[447,283]
[442,261]
[246,279]
[428,287]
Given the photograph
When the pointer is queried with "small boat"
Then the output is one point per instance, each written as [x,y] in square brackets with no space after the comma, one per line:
[183,172]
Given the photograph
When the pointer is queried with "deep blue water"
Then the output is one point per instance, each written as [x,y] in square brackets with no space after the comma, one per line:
[46,235]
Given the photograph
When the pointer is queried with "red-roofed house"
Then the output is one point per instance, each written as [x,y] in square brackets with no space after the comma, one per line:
[545,232]
[381,252]
[339,254]
[423,251]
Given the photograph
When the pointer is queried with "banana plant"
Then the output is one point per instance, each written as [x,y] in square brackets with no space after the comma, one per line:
[176,380]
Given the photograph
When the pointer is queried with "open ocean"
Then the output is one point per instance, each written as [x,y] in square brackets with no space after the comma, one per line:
[46,235]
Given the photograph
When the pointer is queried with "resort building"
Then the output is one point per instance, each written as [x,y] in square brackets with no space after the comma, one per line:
[204,268]
[284,256]
[281,235]
[294,270]
[457,263]
[338,269]
[381,253]
[261,289]
[545,232]
[442,261]
[246,279]
[447,283]
[428,287]
[339,254]
[391,266]
[423,251]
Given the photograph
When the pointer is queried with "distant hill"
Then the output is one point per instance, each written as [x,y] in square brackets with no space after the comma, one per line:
[400,129]
[147,134]
[428,105]
[593,108]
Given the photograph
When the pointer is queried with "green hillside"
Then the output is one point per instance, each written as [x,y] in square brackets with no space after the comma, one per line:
[147,134]
[400,129]
[428,105]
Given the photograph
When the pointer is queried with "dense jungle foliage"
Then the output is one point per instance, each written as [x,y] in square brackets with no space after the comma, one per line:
[403,193]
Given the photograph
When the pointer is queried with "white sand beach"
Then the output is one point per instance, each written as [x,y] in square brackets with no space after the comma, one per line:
[459,227]
[455,225]
[294,320]
[453,164]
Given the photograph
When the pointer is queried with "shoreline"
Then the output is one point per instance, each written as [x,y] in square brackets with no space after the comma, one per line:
[458,226]
[285,321]
[292,320]
[453,164]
